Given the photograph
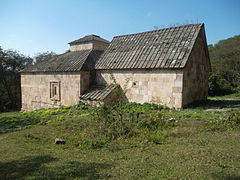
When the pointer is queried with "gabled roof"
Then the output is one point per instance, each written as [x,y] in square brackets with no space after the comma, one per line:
[67,62]
[164,48]
[87,39]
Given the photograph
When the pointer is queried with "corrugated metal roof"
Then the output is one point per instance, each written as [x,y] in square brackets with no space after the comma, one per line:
[67,62]
[164,48]
[88,38]
[98,93]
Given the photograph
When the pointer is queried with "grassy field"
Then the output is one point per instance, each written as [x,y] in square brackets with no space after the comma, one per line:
[148,142]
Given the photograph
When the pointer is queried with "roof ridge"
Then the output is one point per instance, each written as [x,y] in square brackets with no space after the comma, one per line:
[92,35]
[88,38]
[173,27]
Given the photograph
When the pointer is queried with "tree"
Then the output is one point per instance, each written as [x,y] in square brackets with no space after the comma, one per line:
[45,56]
[11,62]
[225,61]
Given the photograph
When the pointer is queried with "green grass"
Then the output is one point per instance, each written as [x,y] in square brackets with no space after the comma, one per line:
[166,144]
[227,101]
[14,120]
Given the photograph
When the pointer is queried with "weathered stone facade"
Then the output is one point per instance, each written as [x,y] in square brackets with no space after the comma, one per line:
[58,82]
[174,87]
[168,66]
[156,86]
[35,89]
[93,45]
[196,71]
[85,81]
[81,47]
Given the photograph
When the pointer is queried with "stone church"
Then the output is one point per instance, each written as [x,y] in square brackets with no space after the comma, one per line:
[168,66]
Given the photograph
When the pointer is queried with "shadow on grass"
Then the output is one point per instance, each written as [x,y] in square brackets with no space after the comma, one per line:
[222,176]
[215,104]
[231,178]
[38,168]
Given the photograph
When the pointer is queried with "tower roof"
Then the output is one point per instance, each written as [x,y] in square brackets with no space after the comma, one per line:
[87,39]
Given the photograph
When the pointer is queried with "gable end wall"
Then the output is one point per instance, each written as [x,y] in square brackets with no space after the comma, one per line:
[196,71]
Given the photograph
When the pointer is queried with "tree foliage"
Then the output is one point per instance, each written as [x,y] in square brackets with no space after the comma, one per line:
[11,62]
[45,56]
[225,61]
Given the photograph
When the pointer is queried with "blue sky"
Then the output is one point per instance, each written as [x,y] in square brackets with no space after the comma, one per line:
[32,26]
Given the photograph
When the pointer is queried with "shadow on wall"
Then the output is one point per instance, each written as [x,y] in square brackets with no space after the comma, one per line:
[123,95]
[118,95]
[30,167]
[98,79]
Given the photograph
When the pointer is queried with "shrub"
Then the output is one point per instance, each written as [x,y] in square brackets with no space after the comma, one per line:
[157,119]
[237,91]
[233,119]
[125,120]
[113,122]
[142,108]
[218,85]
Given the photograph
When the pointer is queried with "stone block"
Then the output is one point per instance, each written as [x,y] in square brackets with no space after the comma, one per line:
[177,89]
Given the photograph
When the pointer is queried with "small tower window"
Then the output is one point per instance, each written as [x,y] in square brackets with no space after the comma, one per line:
[55,91]
[135,84]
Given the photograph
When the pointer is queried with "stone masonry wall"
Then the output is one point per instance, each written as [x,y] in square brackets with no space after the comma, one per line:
[157,86]
[81,47]
[35,89]
[85,81]
[101,46]
[95,45]
[196,72]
